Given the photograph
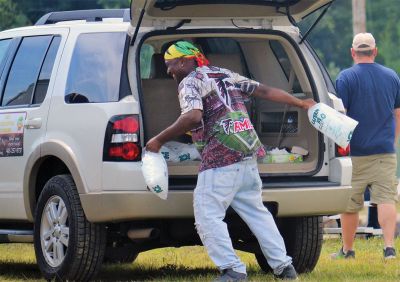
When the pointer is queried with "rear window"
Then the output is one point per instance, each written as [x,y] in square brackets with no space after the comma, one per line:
[96,68]
[284,61]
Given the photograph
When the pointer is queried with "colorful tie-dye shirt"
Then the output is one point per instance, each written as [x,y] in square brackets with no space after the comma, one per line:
[226,134]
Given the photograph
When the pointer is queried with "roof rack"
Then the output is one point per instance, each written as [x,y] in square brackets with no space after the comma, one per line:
[88,15]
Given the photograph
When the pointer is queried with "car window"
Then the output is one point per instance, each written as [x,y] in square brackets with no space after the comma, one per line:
[224,46]
[45,73]
[219,45]
[95,69]
[24,71]
[4,44]
[286,65]
[146,53]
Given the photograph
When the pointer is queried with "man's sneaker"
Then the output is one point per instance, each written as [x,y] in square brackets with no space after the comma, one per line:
[389,253]
[350,254]
[229,275]
[288,273]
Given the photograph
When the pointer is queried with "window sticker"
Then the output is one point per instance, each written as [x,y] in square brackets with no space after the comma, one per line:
[12,134]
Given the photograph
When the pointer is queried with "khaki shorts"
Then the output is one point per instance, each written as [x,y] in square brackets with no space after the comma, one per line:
[378,172]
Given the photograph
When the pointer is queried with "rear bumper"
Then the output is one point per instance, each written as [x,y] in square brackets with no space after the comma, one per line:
[132,205]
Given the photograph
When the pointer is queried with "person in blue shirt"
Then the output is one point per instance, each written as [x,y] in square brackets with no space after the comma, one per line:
[371,95]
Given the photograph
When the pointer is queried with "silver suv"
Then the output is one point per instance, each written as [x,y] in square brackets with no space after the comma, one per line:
[82,92]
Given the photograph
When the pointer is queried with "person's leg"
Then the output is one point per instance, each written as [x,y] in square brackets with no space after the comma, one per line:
[384,194]
[349,219]
[213,194]
[248,204]
[387,219]
[349,222]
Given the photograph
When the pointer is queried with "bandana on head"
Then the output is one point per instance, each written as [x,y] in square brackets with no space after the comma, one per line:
[184,49]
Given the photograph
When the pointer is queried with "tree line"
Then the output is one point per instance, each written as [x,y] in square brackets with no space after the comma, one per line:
[331,38]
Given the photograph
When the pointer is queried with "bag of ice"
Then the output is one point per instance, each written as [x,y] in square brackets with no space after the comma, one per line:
[155,172]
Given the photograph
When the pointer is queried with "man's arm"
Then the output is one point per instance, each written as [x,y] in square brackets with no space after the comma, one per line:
[182,125]
[397,125]
[277,95]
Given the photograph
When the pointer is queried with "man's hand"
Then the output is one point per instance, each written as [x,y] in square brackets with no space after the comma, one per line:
[153,145]
[182,125]
[307,103]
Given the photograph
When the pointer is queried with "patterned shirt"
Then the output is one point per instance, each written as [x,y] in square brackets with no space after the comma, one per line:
[226,134]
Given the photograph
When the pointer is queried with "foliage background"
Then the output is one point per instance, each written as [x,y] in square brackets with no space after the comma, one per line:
[331,38]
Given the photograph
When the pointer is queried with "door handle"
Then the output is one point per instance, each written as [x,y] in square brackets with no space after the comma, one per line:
[34,123]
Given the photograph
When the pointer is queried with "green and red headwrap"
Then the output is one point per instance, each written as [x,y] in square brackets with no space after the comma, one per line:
[184,49]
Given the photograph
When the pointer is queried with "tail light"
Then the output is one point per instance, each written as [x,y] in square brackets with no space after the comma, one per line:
[342,152]
[121,141]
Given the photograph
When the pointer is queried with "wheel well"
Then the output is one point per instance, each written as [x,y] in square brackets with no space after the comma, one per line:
[46,169]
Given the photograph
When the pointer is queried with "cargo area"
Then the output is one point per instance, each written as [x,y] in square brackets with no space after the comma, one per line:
[268,58]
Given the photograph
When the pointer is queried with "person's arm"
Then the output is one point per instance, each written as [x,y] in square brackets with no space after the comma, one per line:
[182,125]
[397,125]
[277,95]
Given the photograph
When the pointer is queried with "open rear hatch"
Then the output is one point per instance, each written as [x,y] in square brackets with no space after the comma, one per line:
[242,52]
[286,12]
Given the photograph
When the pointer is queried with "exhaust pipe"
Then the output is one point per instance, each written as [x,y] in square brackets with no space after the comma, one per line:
[143,233]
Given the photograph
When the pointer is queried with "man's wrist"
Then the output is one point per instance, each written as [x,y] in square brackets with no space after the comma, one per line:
[160,139]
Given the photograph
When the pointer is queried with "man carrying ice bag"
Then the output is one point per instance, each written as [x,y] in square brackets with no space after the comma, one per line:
[212,104]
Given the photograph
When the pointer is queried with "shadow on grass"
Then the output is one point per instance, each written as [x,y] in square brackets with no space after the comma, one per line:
[20,270]
[126,272]
[119,272]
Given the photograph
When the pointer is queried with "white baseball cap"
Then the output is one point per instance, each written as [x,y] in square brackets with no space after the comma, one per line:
[363,42]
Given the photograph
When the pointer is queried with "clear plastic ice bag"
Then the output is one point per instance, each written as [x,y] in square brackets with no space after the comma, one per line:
[155,173]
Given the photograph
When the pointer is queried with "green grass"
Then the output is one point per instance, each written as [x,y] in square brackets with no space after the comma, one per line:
[17,263]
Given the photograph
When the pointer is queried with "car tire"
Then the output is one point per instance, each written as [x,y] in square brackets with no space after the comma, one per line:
[303,238]
[67,246]
[120,254]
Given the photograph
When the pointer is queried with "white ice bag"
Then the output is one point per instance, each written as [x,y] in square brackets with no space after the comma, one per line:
[332,123]
[155,172]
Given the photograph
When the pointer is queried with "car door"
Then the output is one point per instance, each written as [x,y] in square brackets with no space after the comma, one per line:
[26,83]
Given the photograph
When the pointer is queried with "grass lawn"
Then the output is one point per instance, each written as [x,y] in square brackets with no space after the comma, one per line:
[17,263]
